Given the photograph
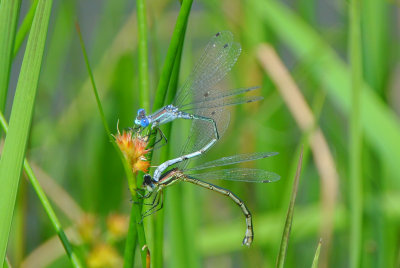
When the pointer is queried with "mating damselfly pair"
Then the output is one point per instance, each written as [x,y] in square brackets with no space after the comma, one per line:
[200,100]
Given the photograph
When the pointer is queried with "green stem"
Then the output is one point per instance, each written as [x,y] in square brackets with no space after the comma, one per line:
[143,55]
[130,244]
[289,218]
[46,205]
[172,60]
[159,217]
[179,30]
[135,212]
[95,91]
[355,186]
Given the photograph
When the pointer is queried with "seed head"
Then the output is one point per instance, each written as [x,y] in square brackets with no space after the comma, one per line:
[133,146]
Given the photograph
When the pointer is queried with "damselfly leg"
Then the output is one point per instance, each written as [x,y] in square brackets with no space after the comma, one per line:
[162,137]
[156,207]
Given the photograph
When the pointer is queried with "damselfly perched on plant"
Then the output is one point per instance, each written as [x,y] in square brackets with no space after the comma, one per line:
[191,175]
[199,94]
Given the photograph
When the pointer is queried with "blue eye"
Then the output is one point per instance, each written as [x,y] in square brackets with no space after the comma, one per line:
[144,122]
[141,112]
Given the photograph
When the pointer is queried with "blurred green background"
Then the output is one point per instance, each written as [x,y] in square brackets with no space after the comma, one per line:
[84,178]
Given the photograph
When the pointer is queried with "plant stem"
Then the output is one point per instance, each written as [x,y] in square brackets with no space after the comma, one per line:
[179,30]
[289,218]
[135,211]
[159,217]
[143,55]
[355,185]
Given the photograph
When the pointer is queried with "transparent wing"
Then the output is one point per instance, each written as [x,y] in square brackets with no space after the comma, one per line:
[238,174]
[226,102]
[202,132]
[219,56]
[223,97]
[235,159]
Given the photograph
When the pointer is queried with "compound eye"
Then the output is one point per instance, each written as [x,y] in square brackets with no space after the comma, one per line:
[144,122]
[141,112]
[146,179]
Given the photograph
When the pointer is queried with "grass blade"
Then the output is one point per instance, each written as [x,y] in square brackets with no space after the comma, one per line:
[143,55]
[376,44]
[46,205]
[20,120]
[312,135]
[355,142]
[136,208]
[9,10]
[289,217]
[316,256]
[179,30]
[379,123]
[175,198]
[24,28]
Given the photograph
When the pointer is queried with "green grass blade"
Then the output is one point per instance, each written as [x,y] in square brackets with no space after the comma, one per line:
[143,55]
[95,91]
[130,244]
[380,125]
[9,10]
[289,217]
[355,142]
[46,205]
[136,208]
[6,263]
[171,54]
[175,199]
[20,120]
[24,28]
[376,43]
[316,256]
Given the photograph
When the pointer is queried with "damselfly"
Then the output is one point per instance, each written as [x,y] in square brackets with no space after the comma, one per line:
[234,174]
[199,99]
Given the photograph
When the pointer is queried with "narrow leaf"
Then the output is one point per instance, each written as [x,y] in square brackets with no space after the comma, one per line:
[289,217]
[316,256]
[20,120]
[9,10]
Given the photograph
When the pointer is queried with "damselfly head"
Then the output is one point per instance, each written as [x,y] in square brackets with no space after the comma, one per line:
[141,118]
[148,182]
